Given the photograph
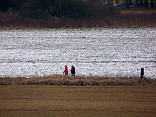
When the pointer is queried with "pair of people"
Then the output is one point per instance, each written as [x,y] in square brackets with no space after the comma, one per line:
[72,71]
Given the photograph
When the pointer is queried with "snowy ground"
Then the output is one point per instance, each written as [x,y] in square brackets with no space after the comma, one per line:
[93,52]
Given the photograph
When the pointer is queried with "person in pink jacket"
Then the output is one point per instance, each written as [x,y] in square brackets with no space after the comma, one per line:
[66,70]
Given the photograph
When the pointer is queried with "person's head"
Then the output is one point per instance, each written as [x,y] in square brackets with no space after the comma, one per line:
[65,65]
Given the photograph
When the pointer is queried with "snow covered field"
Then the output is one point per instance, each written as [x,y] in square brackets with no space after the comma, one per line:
[93,52]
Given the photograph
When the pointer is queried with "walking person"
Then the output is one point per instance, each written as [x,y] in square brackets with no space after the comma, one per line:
[73,71]
[66,71]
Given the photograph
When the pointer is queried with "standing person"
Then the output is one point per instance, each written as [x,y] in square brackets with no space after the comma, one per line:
[142,73]
[73,71]
[66,70]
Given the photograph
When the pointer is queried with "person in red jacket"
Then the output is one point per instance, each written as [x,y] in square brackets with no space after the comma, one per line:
[66,70]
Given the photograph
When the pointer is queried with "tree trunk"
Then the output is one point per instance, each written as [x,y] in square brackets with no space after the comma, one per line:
[151,3]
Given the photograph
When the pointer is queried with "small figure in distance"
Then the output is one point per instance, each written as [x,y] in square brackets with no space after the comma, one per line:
[73,71]
[142,73]
[66,71]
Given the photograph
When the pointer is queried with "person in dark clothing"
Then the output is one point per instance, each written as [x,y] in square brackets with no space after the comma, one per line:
[142,73]
[73,71]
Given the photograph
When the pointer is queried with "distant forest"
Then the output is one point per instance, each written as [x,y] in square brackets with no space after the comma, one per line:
[77,13]
[76,9]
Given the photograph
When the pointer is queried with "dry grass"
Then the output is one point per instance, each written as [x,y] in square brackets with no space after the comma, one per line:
[78,81]
[138,11]
[65,101]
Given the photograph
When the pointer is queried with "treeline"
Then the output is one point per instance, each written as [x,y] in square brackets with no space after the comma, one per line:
[136,3]
[44,9]
[72,14]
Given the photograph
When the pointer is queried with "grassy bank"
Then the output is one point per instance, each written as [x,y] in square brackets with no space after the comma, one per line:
[126,18]
[78,81]
[48,101]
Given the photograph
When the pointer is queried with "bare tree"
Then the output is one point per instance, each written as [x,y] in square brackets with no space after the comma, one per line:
[141,2]
[117,2]
[146,3]
[152,4]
